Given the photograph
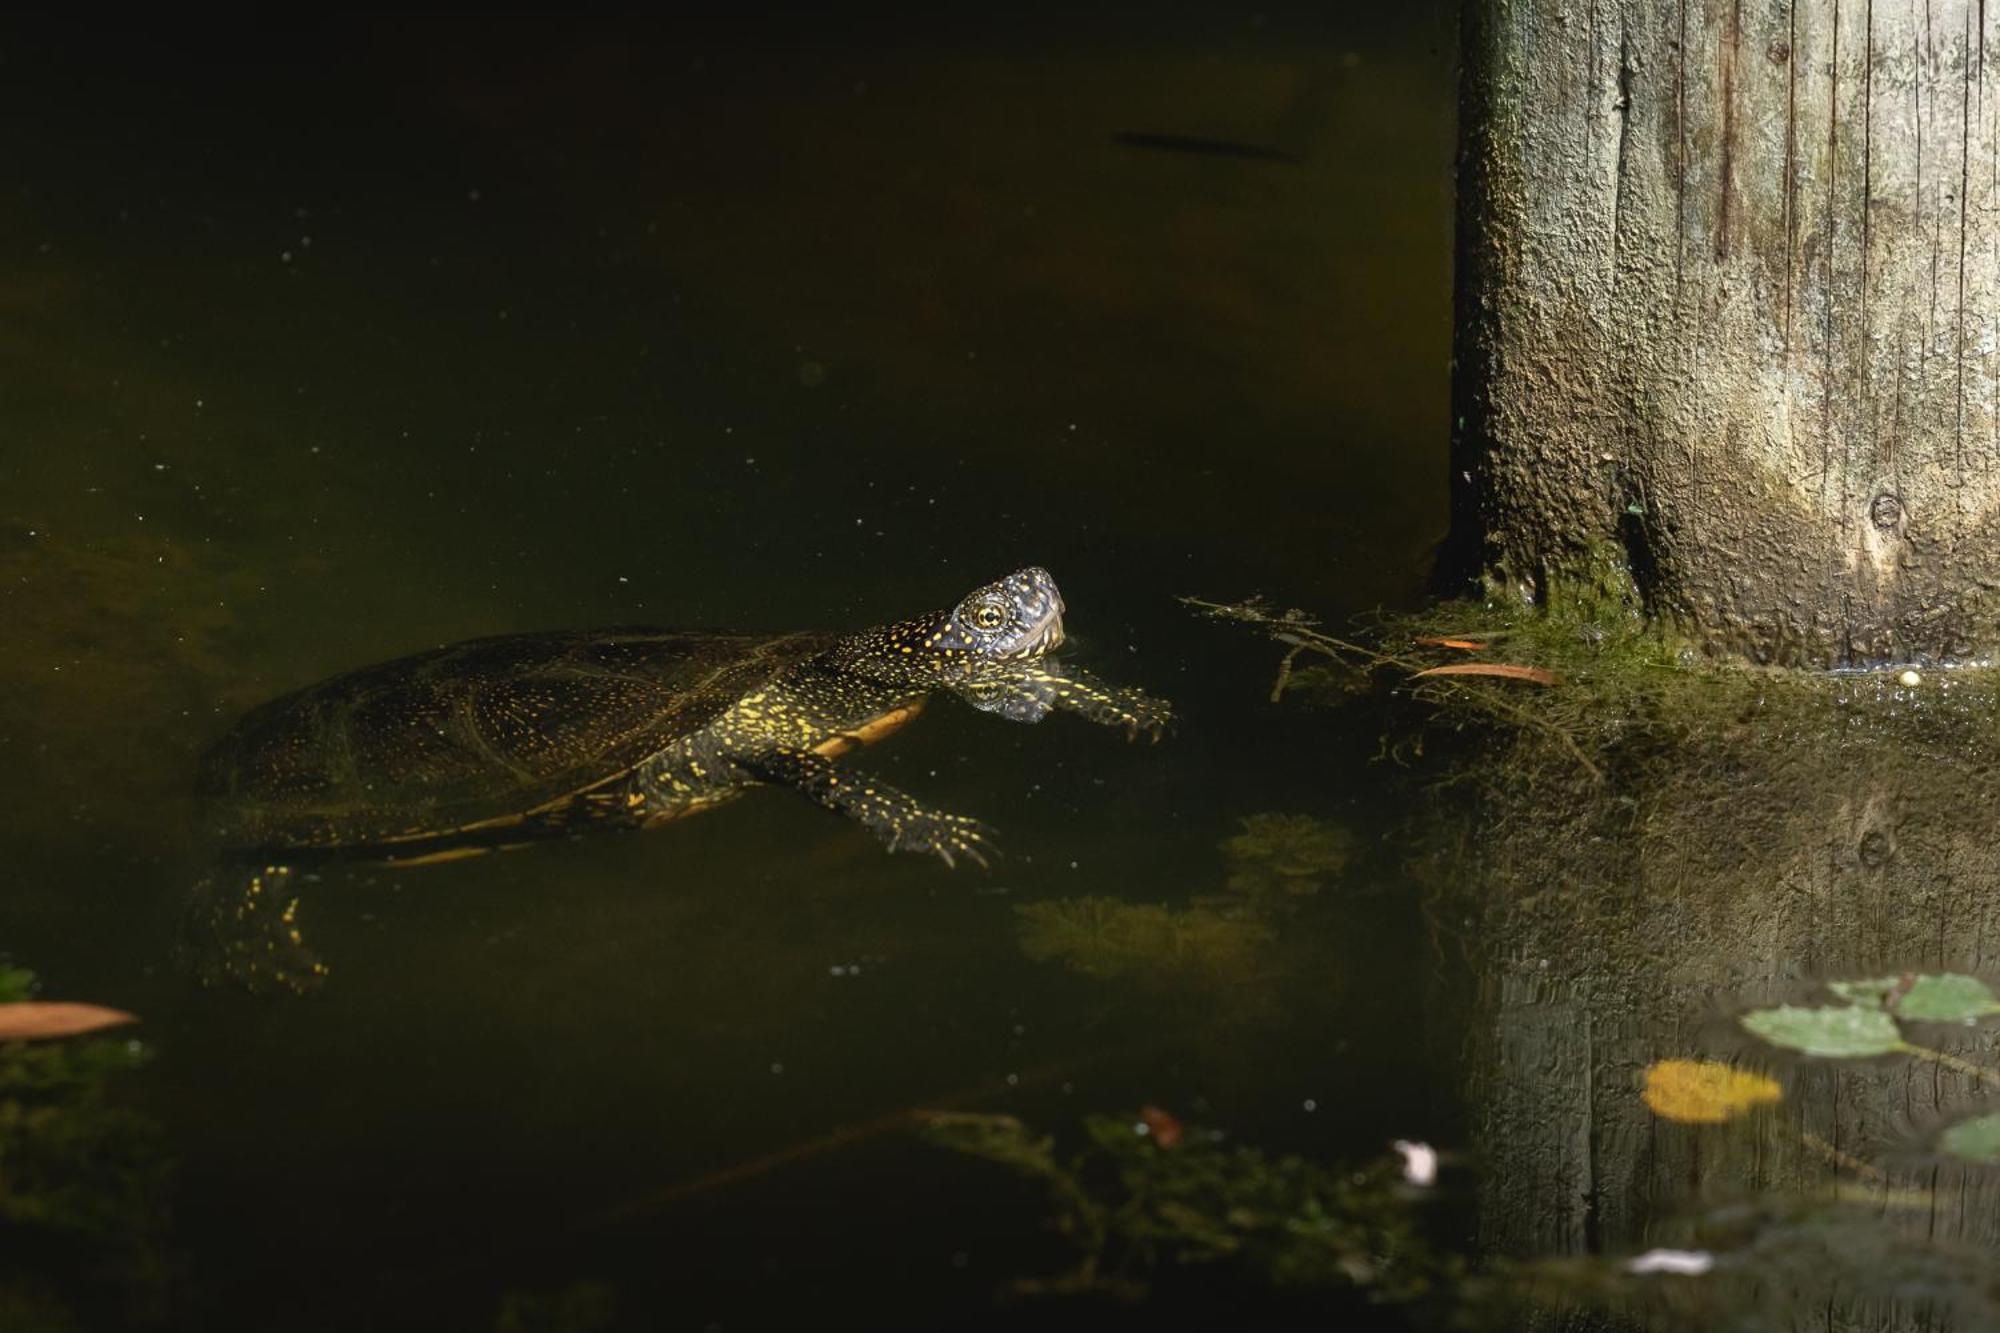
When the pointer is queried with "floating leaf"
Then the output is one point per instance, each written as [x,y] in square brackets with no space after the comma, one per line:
[1839,1031]
[32,1020]
[1976,1140]
[1508,670]
[1875,991]
[1463,645]
[1948,997]
[1704,1092]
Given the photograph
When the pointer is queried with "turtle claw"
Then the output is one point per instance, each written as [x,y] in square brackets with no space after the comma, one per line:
[948,837]
[1143,713]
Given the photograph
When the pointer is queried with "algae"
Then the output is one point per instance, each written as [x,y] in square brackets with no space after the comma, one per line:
[1280,856]
[1134,1207]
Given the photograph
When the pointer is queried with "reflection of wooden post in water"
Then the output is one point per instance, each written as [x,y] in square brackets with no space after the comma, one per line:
[1609,926]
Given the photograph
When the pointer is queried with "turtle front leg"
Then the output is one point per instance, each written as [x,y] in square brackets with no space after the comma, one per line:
[1026,692]
[894,816]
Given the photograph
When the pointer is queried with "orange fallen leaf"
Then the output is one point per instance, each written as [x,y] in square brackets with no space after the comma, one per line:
[1469,645]
[34,1020]
[1536,674]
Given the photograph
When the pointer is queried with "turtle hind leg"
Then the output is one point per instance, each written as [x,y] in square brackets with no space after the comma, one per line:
[894,816]
[242,929]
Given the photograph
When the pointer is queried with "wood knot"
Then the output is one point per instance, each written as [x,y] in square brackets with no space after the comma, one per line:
[1876,848]
[1886,512]
[1778,52]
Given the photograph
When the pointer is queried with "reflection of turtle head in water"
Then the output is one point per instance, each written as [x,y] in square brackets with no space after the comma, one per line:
[499,741]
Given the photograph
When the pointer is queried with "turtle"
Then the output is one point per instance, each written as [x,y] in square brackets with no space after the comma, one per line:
[501,741]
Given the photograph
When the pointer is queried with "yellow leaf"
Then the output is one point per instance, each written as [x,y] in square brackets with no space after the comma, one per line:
[1704,1092]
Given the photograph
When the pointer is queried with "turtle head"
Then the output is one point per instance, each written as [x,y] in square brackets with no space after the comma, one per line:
[1013,619]
[1019,616]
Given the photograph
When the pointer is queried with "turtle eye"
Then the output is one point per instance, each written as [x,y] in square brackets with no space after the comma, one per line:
[988,616]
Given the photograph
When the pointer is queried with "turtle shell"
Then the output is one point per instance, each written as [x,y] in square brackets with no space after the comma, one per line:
[479,735]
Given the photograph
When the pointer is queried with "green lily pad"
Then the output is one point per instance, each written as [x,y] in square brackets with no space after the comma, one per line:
[1849,1031]
[1947,997]
[1976,1140]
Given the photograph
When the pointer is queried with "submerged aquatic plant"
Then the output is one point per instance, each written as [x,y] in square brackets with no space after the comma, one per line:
[1145,942]
[583,1306]
[1134,1206]
[1228,957]
[1273,861]
[83,1184]
[1280,856]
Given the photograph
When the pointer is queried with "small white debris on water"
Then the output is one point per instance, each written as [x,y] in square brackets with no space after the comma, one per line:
[1420,1162]
[1909,680]
[1141,1128]
[777,1066]
[1013,1080]
[1311,1104]
[1684,1263]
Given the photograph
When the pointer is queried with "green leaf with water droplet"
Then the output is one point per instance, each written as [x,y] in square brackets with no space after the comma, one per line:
[1945,997]
[1976,1140]
[1840,1031]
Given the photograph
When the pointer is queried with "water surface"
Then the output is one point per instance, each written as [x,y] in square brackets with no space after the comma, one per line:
[397,335]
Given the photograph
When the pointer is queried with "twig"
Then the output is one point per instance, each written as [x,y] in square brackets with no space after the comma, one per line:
[1285,671]
[843,1137]
[1846,1161]
[1952,1062]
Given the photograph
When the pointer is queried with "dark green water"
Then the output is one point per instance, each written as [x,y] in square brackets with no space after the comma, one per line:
[350,344]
